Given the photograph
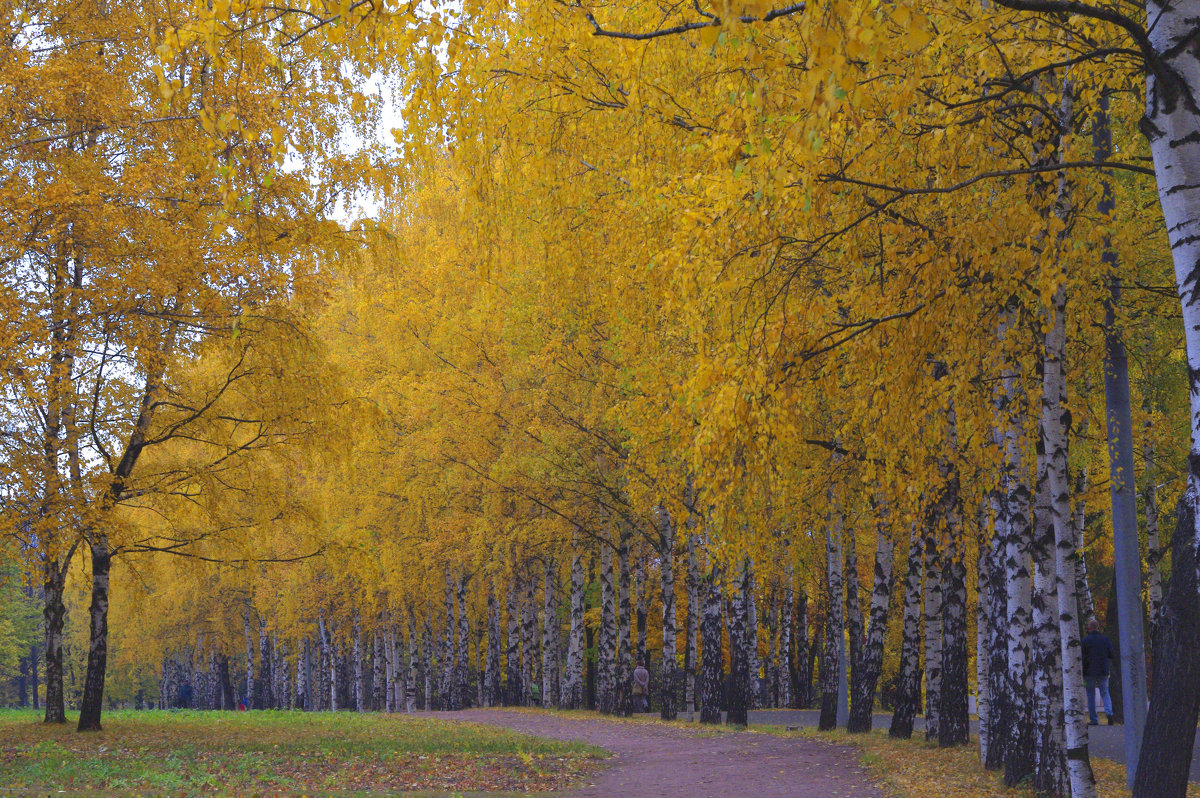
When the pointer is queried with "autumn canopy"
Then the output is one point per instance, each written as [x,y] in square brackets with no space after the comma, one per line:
[382,356]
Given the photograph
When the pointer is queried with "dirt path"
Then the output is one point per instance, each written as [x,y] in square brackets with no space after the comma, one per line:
[654,760]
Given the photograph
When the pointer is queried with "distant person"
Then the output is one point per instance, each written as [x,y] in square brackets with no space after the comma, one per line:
[1097,652]
[183,696]
[535,694]
[641,688]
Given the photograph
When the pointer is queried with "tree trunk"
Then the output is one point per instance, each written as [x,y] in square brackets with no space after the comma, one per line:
[749,592]
[414,674]
[572,692]
[1178,191]
[624,652]
[834,629]
[908,688]
[712,683]
[1170,733]
[854,616]
[641,589]
[738,700]
[1049,762]
[97,663]
[381,670]
[1154,553]
[1055,422]
[360,687]
[801,668]
[513,689]
[995,644]
[1018,744]
[933,632]
[493,694]
[692,622]
[529,644]
[666,571]
[605,645]
[54,613]
[463,688]
[550,633]
[783,673]
[871,663]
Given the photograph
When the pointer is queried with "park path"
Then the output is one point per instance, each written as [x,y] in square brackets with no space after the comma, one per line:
[657,760]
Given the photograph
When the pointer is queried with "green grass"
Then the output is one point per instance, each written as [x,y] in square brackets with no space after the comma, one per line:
[289,753]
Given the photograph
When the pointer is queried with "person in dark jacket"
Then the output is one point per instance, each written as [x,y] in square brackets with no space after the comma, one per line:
[1097,652]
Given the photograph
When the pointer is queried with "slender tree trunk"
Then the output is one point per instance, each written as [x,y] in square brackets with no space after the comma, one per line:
[749,591]
[666,571]
[933,632]
[529,645]
[801,665]
[513,688]
[740,675]
[1049,761]
[712,683]
[995,644]
[1019,742]
[550,632]
[264,699]
[572,693]
[983,626]
[448,688]
[463,689]
[783,674]
[606,644]
[908,688]
[831,661]
[427,643]
[414,674]
[54,613]
[1178,191]
[854,616]
[381,671]
[493,694]
[1055,422]
[641,589]
[1166,751]
[93,686]
[1154,591]
[624,650]
[692,622]
[871,664]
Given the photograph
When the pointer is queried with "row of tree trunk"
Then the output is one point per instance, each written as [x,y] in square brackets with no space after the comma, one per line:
[536,654]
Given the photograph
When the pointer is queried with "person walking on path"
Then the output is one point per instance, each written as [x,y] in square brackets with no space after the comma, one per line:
[1097,652]
[641,688]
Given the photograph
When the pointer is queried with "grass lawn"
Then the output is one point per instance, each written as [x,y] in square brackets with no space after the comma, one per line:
[279,753]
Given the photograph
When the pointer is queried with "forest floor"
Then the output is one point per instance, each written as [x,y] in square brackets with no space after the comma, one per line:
[182,753]
[673,759]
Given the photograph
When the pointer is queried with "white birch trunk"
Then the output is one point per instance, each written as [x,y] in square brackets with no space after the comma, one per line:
[1172,124]
[605,651]
[691,658]
[834,624]
[752,697]
[933,634]
[550,632]
[1054,438]
[410,691]
[624,650]
[462,680]
[492,690]
[572,688]
[666,572]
